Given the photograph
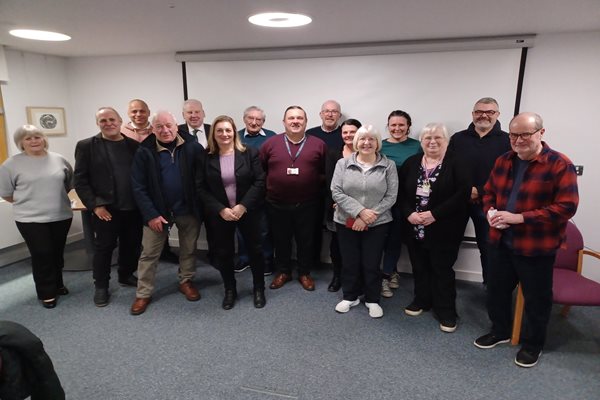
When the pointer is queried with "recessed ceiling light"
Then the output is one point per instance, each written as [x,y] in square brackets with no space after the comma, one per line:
[39,35]
[280,20]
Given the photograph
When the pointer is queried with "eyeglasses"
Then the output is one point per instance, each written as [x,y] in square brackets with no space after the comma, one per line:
[489,113]
[330,112]
[524,136]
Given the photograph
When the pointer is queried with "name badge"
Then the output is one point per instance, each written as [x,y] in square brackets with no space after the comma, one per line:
[293,171]
[423,191]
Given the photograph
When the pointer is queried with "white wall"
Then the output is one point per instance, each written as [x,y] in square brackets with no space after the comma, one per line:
[35,80]
[561,83]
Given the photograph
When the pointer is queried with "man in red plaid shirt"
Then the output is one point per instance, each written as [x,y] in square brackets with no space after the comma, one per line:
[529,197]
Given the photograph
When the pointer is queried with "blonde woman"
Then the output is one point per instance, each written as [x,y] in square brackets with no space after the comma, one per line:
[36,182]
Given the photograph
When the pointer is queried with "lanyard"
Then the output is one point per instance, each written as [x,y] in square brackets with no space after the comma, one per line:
[287,145]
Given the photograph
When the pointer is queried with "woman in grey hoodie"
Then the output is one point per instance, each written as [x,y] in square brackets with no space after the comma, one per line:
[364,188]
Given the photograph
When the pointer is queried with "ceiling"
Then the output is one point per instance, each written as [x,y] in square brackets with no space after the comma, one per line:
[115,27]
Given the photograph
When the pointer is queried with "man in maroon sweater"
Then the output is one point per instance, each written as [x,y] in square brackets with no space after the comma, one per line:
[295,167]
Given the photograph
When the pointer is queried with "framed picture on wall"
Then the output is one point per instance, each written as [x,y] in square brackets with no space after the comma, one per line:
[51,120]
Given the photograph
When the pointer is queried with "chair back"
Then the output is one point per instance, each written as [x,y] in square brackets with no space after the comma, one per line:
[568,253]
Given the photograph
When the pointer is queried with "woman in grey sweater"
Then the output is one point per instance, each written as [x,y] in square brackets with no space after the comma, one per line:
[364,188]
[36,182]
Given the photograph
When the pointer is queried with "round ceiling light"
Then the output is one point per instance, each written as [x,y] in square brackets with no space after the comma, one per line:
[280,20]
[39,35]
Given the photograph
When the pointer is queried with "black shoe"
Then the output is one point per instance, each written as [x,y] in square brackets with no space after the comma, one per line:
[129,281]
[101,297]
[169,256]
[51,303]
[335,285]
[259,298]
[241,267]
[448,325]
[489,341]
[229,299]
[63,291]
[527,358]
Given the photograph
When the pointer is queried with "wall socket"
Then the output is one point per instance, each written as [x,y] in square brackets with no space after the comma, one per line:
[579,170]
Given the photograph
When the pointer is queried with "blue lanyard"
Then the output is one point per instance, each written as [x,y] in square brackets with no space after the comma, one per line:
[287,145]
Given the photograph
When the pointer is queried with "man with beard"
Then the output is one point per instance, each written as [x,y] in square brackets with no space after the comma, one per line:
[480,145]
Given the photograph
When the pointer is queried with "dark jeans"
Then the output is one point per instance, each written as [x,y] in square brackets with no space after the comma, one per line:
[482,231]
[293,221]
[361,256]
[535,275]
[126,227]
[224,246]
[267,246]
[46,243]
[393,244]
[434,280]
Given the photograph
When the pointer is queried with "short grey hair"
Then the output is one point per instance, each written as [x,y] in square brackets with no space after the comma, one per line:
[255,108]
[367,130]
[433,127]
[162,112]
[28,130]
[487,100]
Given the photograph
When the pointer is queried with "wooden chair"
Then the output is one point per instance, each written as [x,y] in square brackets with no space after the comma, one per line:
[569,287]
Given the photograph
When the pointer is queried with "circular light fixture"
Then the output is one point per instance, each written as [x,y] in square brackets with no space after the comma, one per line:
[39,35]
[280,20]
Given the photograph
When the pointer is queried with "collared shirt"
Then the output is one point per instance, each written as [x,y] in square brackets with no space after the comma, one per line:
[547,199]
[255,140]
[200,135]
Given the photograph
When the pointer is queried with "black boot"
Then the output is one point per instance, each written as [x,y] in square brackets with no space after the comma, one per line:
[335,285]
[259,298]
[229,299]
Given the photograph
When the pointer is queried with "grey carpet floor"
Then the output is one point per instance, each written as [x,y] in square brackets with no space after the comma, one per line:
[297,347]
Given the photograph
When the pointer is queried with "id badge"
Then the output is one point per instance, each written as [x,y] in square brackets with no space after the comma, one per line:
[293,171]
[423,190]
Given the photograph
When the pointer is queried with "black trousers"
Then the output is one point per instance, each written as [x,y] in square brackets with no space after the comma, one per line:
[434,279]
[535,274]
[224,246]
[361,256]
[126,227]
[46,243]
[293,221]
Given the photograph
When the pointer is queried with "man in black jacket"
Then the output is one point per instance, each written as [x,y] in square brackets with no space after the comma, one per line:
[163,176]
[193,114]
[103,183]
[480,145]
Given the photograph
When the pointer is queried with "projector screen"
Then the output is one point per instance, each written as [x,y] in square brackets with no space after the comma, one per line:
[431,87]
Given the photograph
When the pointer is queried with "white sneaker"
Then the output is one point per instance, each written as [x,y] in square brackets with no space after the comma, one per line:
[385,289]
[345,305]
[395,281]
[375,310]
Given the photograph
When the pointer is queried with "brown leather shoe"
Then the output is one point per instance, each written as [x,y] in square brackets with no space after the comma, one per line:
[189,290]
[139,305]
[280,280]
[307,282]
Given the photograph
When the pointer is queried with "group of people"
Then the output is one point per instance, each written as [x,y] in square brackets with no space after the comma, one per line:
[267,190]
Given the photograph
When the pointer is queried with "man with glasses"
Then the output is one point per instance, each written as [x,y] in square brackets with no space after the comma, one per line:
[480,144]
[329,131]
[529,197]
[163,182]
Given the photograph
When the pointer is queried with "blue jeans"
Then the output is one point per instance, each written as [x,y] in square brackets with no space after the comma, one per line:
[393,244]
